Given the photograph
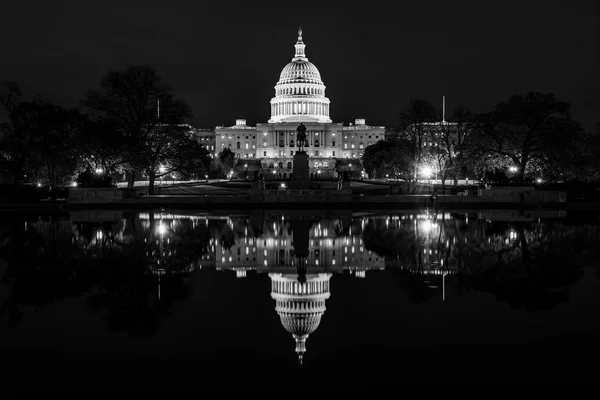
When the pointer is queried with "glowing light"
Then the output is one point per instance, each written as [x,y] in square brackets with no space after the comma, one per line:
[161,229]
[74,184]
[426,171]
[99,170]
[162,168]
[39,184]
[513,169]
[539,180]
[427,225]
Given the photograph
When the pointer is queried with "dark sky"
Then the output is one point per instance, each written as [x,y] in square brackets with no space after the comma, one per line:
[224,57]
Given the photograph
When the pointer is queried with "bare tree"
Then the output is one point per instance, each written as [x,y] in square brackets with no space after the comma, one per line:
[137,101]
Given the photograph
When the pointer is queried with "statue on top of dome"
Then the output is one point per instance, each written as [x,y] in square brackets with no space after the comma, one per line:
[301,139]
[299,33]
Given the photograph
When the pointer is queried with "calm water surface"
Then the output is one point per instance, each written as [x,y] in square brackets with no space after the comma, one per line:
[200,299]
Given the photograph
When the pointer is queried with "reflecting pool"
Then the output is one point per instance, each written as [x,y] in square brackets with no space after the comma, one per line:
[211,299]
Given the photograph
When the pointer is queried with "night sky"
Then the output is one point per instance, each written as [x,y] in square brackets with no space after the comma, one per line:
[224,57]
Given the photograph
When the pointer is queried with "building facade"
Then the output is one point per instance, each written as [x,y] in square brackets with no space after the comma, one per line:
[300,98]
[206,138]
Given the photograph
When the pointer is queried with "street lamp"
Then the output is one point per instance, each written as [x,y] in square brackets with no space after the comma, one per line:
[426,172]
[99,171]
[513,169]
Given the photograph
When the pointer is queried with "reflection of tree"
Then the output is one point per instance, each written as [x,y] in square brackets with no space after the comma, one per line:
[133,270]
[529,265]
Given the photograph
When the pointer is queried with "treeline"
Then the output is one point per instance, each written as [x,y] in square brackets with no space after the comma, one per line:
[131,127]
[527,138]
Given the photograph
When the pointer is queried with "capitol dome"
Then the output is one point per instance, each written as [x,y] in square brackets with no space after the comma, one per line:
[300,92]
[300,305]
[300,71]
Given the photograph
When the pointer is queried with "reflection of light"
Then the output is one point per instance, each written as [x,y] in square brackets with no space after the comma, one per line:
[427,225]
[426,171]
[161,229]
[99,235]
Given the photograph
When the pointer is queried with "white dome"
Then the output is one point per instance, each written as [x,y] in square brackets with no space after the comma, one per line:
[300,306]
[300,71]
[300,92]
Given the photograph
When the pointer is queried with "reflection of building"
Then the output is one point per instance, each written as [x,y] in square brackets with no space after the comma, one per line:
[300,305]
[299,97]
[274,249]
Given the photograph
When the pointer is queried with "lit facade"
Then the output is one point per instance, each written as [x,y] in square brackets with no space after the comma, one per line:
[206,138]
[300,97]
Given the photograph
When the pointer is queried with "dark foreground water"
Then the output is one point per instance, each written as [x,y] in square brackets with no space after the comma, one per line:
[297,300]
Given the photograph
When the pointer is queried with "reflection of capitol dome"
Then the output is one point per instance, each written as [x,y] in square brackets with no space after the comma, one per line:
[300,92]
[300,305]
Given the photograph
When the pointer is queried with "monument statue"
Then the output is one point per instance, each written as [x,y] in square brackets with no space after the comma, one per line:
[301,139]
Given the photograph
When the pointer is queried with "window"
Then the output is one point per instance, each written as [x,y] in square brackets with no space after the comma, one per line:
[246,137]
[292,143]
[280,165]
[265,154]
[289,165]
[238,145]
[292,153]
[253,137]
[333,155]
[333,143]
[271,165]
[352,145]
[253,146]
[316,142]
[345,145]
[324,165]
[229,145]
[317,153]
[280,153]
[265,143]
[247,146]
[360,146]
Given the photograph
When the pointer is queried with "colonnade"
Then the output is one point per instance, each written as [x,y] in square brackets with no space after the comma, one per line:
[300,108]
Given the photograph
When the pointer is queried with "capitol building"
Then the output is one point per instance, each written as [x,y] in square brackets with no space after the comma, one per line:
[299,98]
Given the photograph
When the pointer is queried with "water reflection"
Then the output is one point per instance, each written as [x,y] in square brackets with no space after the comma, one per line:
[134,268]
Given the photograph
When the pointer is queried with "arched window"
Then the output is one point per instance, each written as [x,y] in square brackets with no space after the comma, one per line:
[289,165]
[280,165]
[316,142]
[238,145]
[271,165]
[292,143]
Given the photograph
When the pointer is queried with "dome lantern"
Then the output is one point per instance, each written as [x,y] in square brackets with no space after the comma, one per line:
[300,46]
